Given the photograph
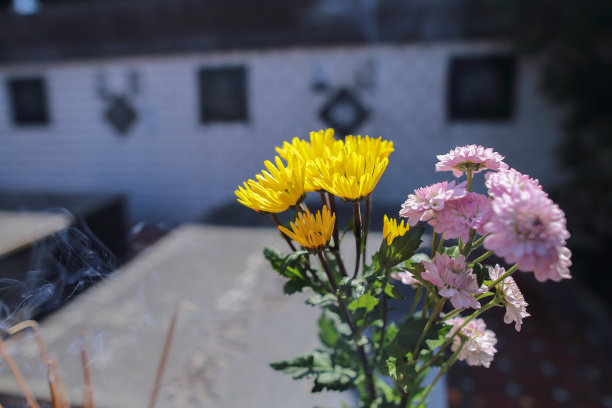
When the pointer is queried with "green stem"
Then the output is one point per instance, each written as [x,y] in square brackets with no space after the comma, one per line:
[277,223]
[509,272]
[357,218]
[450,339]
[453,313]
[415,302]
[384,311]
[479,241]
[433,244]
[469,179]
[440,244]
[434,316]
[366,225]
[483,257]
[443,370]
[363,357]
[467,248]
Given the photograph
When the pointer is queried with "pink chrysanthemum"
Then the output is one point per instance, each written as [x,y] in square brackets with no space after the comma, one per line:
[459,216]
[527,228]
[516,307]
[421,205]
[472,157]
[407,278]
[504,182]
[479,347]
[455,281]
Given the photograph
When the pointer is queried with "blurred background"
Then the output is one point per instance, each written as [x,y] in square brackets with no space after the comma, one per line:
[122,120]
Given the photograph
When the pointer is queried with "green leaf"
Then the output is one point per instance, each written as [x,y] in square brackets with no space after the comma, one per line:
[482,273]
[402,248]
[274,257]
[322,300]
[420,257]
[410,331]
[366,301]
[319,364]
[393,293]
[328,334]
[453,251]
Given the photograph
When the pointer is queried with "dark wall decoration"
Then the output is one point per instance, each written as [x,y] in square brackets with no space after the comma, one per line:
[28,100]
[344,112]
[481,88]
[119,110]
[223,94]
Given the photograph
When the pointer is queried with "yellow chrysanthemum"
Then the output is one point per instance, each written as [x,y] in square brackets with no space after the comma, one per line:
[322,144]
[310,231]
[349,175]
[391,230]
[276,189]
[364,145]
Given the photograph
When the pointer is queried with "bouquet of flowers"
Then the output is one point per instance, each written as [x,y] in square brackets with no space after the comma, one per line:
[360,348]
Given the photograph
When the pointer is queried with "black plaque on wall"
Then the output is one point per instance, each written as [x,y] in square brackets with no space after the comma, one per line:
[481,88]
[28,99]
[223,95]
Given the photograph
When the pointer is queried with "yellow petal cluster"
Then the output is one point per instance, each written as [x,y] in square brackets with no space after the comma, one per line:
[349,175]
[277,188]
[364,145]
[322,144]
[391,230]
[310,231]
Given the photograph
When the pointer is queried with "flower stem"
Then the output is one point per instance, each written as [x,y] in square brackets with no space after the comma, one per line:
[450,339]
[440,244]
[415,302]
[433,244]
[384,311]
[509,272]
[329,199]
[434,316]
[278,223]
[366,225]
[469,179]
[443,370]
[363,358]
[483,257]
[479,241]
[357,229]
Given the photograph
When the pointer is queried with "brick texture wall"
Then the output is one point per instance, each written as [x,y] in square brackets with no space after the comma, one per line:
[171,166]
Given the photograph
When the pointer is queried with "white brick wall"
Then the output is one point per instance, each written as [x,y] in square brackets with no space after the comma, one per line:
[172,167]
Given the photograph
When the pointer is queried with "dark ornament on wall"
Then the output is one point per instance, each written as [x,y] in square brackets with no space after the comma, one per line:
[481,88]
[120,114]
[344,112]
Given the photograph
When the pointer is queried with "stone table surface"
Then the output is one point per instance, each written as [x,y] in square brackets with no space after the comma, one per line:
[21,229]
[220,353]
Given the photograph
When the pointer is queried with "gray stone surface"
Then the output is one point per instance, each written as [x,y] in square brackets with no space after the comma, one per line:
[221,352]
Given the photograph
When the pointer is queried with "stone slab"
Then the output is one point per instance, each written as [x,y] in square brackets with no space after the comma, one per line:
[19,230]
[220,353]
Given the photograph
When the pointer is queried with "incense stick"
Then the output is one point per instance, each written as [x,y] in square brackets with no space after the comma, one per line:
[18,377]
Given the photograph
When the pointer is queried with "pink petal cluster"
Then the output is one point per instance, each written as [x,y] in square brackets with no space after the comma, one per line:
[455,281]
[528,228]
[407,278]
[479,347]
[504,182]
[472,211]
[516,307]
[473,157]
[421,205]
